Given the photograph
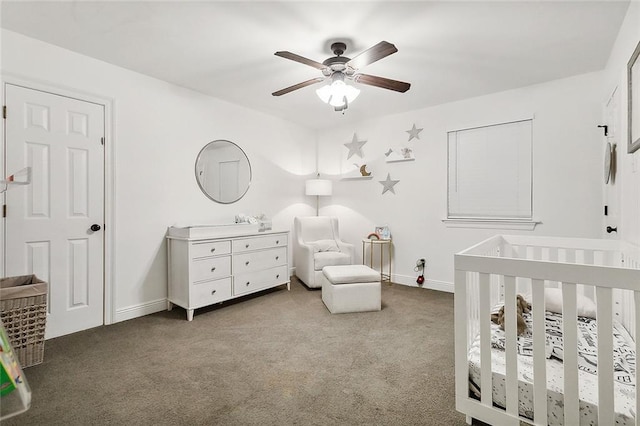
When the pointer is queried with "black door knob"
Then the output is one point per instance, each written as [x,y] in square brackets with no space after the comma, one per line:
[95,227]
[610,229]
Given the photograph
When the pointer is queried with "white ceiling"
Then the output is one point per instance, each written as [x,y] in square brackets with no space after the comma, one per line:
[446,50]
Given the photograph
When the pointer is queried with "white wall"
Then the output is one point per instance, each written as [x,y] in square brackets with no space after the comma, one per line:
[567,172]
[159,129]
[624,194]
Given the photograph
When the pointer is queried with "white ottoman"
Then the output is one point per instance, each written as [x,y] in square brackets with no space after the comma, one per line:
[350,288]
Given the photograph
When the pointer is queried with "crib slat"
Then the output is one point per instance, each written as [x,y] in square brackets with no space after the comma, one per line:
[636,296]
[511,345]
[605,357]
[486,388]
[570,333]
[462,350]
[539,354]
[588,257]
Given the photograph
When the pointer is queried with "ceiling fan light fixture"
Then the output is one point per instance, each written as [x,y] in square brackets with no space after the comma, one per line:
[338,93]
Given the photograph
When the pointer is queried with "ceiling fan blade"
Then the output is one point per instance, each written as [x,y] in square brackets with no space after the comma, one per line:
[372,54]
[301,59]
[385,83]
[298,86]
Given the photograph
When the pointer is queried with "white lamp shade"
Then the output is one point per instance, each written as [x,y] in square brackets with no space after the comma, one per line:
[335,93]
[318,187]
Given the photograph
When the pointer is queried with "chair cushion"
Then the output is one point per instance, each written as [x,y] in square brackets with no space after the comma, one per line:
[329,258]
[348,274]
[324,245]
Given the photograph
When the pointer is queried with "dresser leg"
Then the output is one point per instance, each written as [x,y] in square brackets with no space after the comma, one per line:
[189,314]
[169,306]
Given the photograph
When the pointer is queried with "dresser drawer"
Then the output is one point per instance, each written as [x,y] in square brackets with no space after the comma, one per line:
[210,248]
[250,282]
[209,292]
[253,261]
[211,268]
[261,242]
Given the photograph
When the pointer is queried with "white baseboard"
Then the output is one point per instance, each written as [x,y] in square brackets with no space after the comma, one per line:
[140,310]
[430,284]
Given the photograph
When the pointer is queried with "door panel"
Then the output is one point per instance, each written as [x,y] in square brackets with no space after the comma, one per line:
[48,222]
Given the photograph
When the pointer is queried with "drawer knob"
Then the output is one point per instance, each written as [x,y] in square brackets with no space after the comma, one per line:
[278,276]
[213,292]
[277,241]
[213,269]
[246,263]
[213,249]
[248,283]
[246,246]
[277,257]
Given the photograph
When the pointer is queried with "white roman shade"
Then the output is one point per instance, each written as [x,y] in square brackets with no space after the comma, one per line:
[490,172]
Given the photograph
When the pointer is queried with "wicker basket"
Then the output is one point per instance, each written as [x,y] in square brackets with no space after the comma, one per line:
[23,311]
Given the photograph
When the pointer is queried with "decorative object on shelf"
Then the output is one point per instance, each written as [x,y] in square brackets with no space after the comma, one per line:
[318,187]
[360,173]
[402,154]
[373,236]
[338,69]
[223,171]
[383,232]
[633,88]
[388,184]
[363,169]
[355,147]
[414,133]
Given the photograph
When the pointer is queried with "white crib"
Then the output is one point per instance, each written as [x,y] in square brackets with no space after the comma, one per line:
[497,269]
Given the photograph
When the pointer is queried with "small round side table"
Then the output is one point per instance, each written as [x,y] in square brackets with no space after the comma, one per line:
[382,244]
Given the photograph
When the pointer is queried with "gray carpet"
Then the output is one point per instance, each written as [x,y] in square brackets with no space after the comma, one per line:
[279,358]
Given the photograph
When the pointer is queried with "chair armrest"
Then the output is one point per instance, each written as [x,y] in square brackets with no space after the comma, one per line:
[346,248]
[304,262]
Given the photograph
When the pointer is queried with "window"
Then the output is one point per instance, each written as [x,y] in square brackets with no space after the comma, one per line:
[490,172]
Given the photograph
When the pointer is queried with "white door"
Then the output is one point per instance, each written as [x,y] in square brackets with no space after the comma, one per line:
[228,180]
[48,222]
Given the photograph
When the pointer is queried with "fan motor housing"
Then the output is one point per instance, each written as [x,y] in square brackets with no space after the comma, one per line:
[337,63]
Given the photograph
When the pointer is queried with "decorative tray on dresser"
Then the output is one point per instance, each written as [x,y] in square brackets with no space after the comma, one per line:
[211,264]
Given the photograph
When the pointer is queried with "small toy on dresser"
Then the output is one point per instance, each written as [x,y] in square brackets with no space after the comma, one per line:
[264,223]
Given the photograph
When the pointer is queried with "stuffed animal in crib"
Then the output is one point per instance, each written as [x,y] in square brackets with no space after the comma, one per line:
[522,307]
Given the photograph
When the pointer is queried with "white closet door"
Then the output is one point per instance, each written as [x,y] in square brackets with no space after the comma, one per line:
[48,223]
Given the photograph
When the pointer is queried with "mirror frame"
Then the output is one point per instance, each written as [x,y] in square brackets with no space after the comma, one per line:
[195,167]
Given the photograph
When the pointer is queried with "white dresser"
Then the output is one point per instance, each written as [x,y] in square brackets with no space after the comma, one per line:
[204,271]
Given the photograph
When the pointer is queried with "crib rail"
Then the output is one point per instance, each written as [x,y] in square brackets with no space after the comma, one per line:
[496,270]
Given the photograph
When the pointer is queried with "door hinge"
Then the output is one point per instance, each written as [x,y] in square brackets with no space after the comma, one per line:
[4,111]
[4,210]
[102,140]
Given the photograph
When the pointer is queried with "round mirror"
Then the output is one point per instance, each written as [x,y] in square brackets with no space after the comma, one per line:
[223,171]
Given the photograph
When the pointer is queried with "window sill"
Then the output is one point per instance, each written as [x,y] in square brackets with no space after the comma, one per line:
[523,225]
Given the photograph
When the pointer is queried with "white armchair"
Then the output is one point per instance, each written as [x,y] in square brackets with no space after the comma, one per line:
[317,244]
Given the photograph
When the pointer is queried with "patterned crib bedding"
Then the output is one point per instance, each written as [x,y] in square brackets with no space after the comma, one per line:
[624,364]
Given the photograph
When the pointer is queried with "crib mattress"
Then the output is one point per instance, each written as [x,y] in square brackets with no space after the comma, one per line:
[624,395]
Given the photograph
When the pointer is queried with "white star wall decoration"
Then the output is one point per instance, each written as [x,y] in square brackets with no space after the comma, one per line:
[414,133]
[355,147]
[388,184]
